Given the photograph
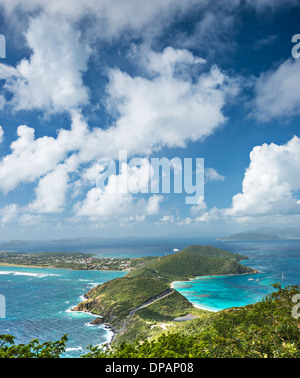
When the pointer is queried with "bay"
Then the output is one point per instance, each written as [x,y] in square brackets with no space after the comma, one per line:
[277,262]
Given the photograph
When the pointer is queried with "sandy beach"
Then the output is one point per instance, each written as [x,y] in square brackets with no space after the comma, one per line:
[26,266]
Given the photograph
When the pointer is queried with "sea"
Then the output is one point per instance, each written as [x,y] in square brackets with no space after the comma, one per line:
[38,301]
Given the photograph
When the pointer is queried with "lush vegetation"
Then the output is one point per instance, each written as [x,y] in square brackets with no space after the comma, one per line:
[209,251]
[263,330]
[192,261]
[34,349]
[142,261]
[182,266]
[149,321]
[143,272]
[166,309]
[116,298]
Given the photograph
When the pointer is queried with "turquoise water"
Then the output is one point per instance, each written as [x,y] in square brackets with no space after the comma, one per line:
[38,301]
[218,293]
[272,259]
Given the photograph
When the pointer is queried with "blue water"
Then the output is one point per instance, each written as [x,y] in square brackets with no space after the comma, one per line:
[38,301]
[104,247]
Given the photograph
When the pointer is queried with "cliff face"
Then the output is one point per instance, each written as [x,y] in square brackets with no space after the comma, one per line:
[95,307]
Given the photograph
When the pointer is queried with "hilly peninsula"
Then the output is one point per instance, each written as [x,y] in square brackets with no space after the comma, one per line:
[143,303]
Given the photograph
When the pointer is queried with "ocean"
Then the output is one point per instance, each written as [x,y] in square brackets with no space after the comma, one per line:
[39,301]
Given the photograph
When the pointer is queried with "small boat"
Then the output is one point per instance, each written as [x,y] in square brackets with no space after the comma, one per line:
[282,276]
[257,279]
[250,279]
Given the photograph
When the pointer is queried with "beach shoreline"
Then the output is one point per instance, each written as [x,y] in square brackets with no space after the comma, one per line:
[214,276]
[53,267]
[25,266]
[203,307]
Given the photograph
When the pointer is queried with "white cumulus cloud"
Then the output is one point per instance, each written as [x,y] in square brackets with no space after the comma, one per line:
[51,79]
[51,192]
[117,198]
[212,175]
[271,181]
[277,93]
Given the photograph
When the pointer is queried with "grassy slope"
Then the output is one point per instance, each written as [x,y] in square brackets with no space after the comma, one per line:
[186,265]
[209,251]
[116,298]
[146,322]
[192,261]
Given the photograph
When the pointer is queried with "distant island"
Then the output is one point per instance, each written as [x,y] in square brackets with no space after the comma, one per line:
[249,236]
[143,303]
[264,234]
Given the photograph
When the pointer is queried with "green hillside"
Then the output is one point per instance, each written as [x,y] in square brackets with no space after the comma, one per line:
[134,304]
[119,303]
[185,265]
[193,261]
[146,322]
[265,329]
[143,272]
[116,298]
[209,251]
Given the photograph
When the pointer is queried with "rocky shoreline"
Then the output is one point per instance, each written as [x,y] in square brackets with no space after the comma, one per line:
[99,321]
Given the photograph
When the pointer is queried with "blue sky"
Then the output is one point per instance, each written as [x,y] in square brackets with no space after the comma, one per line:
[83,80]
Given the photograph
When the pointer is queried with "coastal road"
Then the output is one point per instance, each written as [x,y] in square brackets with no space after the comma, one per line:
[158,298]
